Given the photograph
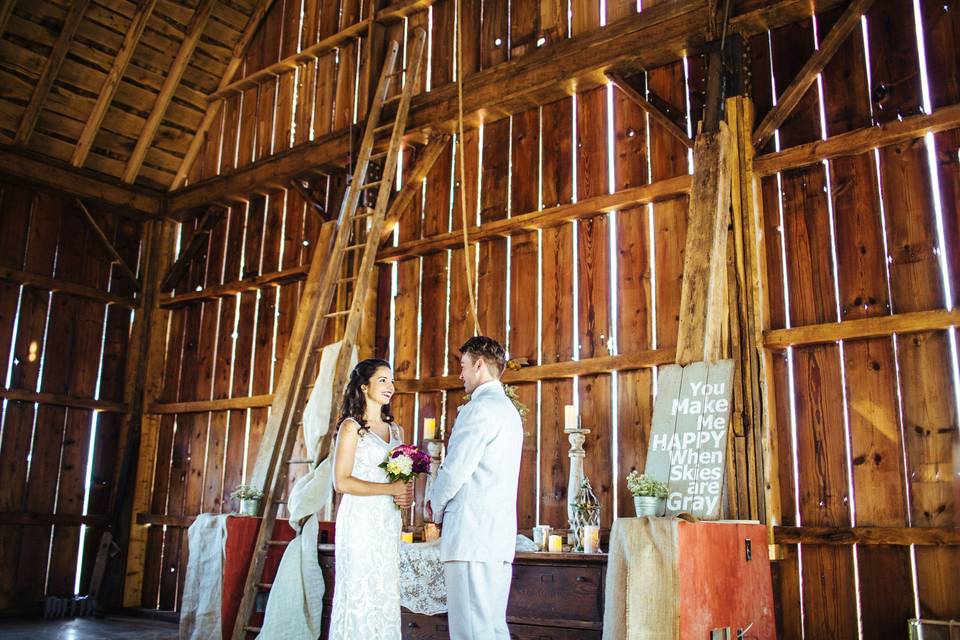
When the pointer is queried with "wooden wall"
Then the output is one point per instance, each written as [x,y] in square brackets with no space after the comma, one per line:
[865,426]
[62,355]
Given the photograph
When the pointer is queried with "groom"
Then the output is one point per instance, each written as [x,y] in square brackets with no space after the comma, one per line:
[475,497]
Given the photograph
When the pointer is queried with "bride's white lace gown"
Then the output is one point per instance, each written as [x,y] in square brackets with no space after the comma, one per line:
[366,594]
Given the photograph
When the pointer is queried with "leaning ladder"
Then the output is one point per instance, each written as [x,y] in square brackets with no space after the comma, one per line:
[323,283]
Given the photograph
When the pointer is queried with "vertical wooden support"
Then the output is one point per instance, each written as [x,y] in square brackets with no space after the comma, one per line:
[144,377]
[702,306]
[751,305]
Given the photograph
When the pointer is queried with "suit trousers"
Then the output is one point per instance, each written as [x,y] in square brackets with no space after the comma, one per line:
[477,595]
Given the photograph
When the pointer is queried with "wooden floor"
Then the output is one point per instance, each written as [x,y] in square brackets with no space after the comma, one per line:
[110,628]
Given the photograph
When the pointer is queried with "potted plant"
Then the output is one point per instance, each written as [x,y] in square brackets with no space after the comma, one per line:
[647,493]
[249,498]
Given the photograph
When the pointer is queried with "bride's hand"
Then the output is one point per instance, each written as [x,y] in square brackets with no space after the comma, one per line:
[405,499]
[397,488]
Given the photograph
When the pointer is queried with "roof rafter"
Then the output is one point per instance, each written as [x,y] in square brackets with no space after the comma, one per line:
[51,68]
[214,107]
[6,9]
[194,30]
[112,82]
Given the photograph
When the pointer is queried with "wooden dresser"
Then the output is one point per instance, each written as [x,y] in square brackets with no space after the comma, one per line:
[553,596]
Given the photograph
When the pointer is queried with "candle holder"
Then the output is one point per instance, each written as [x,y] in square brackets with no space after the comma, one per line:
[577,437]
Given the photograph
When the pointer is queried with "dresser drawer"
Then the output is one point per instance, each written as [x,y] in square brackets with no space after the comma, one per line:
[531,632]
[556,593]
[416,626]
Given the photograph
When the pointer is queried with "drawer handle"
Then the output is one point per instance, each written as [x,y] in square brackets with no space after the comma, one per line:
[413,625]
[546,578]
[581,579]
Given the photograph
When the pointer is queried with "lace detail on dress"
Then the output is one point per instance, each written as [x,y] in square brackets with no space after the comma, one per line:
[366,596]
[422,587]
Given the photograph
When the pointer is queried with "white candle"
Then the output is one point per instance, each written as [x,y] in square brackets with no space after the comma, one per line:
[430,532]
[556,544]
[591,539]
[569,417]
[429,428]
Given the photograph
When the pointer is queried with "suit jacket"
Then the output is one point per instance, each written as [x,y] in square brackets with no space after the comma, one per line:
[475,492]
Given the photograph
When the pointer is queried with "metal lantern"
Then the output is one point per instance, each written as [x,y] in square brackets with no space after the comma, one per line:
[586,511]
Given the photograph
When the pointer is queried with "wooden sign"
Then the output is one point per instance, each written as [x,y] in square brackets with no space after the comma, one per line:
[688,441]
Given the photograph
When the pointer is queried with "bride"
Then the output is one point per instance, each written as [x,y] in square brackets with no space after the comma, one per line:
[366,594]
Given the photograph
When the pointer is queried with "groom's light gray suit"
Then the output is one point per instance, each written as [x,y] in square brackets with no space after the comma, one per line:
[475,497]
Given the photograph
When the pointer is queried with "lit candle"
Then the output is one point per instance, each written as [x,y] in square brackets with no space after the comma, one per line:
[430,532]
[406,536]
[429,428]
[556,544]
[569,417]
[591,539]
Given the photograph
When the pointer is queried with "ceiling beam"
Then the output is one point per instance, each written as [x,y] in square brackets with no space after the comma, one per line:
[239,50]
[112,82]
[791,96]
[194,30]
[105,242]
[656,115]
[669,31]
[6,9]
[49,72]
[198,241]
[55,175]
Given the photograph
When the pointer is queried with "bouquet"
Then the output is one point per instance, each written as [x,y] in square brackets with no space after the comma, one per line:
[404,462]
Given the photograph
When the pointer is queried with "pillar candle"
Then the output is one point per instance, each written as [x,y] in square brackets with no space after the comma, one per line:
[569,417]
[591,539]
[429,428]
[430,532]
[556,544]
[406,536]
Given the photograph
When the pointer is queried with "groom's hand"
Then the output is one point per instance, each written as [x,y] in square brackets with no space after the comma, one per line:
[428,511]
[404,500]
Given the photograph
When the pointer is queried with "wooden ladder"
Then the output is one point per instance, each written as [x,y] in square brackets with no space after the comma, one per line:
[358,233]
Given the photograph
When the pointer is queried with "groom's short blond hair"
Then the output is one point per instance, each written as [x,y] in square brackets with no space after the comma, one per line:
[490,350]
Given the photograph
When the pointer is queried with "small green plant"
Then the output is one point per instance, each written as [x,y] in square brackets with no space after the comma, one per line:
[640,484]
[246,492]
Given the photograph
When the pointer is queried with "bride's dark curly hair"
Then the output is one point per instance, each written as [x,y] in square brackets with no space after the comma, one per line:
[354,403]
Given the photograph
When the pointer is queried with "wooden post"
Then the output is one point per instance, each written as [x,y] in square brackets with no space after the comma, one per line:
[752,304]
[702,307]
[144,380]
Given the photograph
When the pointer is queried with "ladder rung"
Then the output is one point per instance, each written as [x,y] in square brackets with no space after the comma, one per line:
[368,211]
[277,543]
[354,247]
[350,279]
[296,461]
[265,585]
[337,313]
[252,629]
[384,127]
[393,98]
[372,184]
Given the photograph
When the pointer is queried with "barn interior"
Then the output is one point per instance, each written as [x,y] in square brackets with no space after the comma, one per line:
[607,187]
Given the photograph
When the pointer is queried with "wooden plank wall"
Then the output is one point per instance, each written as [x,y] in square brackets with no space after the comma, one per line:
[71,346]
[858,238]
[230,347]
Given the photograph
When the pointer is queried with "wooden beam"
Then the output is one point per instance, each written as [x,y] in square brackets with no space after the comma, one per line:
[859,141]
[656,115]
[274,279]
[863,328]
[553,371]
[144,381]
[239,50]
[203,406]
[197,242]
[6,10]
[703,303]
[523,223]
[411,188]
[161,520]
[112,82]
[22,395]
[900,536]
[672,29]
[310,199]
[829,46]
[72,288]
[56,519]
[108,245]
[54,175]
[194,30]
[51,67]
